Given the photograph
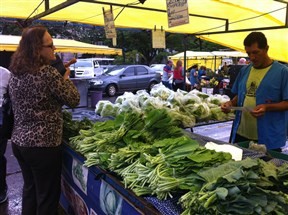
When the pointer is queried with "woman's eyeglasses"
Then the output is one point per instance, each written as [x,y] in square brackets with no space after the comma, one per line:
[48,46]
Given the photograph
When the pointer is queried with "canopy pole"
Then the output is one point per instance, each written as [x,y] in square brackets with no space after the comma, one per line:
[286,22]
[184,66]
[47,5]
[215,63]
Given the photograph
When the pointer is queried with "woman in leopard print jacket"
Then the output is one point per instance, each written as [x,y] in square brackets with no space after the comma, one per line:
[38,92]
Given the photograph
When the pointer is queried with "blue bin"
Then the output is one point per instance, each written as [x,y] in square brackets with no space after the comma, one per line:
[96,96]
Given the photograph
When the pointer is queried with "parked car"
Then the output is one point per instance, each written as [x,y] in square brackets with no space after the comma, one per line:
[157,67]
[125,78]
[86,68]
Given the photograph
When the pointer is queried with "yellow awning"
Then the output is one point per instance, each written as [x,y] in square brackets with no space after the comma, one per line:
[10,43]
[211,60]
[206,16]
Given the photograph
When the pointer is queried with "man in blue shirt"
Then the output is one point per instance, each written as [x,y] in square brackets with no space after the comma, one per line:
[262,87]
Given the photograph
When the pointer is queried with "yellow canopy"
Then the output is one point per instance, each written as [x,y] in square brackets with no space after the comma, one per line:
[230,17]
[211,60]
[10,43]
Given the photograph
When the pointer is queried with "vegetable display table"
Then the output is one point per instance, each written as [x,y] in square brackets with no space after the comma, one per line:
[95,191]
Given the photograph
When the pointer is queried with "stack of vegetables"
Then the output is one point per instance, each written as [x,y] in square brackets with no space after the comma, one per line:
[72,127]
[187,108]
[250,186]
[153,156]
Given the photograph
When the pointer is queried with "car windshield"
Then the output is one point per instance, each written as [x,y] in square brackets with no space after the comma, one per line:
[83,64]
[115,70]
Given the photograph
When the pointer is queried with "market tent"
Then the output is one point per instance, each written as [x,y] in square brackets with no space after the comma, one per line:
[207,17]
[211,60]
[10,43]
[192,54]
[229,54]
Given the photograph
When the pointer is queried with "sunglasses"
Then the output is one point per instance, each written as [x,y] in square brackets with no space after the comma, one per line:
[49,46]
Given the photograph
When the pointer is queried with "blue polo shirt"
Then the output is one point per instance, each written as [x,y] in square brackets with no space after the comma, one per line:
[273,125]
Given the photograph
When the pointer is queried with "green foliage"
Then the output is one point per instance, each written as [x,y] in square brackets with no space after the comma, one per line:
[250,186]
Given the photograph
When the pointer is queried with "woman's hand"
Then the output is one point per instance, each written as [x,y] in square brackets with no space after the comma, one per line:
[67,74]
[72,61]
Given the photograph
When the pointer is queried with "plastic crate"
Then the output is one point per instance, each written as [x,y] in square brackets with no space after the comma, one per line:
[272,153]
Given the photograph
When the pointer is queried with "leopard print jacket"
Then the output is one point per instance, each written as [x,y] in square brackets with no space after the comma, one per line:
[37,101]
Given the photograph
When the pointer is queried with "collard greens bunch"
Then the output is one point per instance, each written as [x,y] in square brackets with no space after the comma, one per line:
[188,108]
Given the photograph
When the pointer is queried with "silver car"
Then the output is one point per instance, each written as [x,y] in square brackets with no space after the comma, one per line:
[125,78]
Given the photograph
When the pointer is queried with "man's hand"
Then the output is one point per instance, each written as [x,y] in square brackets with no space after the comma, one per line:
[259,110]
[225,107]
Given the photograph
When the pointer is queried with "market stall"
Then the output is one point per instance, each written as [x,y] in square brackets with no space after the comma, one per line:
[96,191]
[11,42]
[151,169]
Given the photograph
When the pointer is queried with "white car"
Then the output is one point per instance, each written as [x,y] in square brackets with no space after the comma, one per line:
[157,68]
[86,68]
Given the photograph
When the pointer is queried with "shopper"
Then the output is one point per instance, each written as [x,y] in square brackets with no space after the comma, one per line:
[38,92]
[194,81]
[167,74]
[201,72]
[178,76]
[261,86]
[4,78]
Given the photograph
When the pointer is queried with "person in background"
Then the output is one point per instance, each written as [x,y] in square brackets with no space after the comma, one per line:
[261,86]
[194,77]
[167,74]
[178,76]
[38,92]
[225,68]
[242,61]
[201,72]
[4,78]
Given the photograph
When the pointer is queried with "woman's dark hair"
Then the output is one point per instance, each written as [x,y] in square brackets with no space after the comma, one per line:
[256,37]
[27,58]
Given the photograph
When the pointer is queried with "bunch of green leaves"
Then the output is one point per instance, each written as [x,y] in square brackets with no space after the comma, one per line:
[104,137]
[72,127]
[243,187]
[166,167]
[155,125]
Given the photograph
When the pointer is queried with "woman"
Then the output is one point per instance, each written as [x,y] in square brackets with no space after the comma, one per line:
[38,92]
[178,76]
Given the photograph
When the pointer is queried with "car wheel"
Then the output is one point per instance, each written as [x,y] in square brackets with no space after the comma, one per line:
[111,90]
[151,85]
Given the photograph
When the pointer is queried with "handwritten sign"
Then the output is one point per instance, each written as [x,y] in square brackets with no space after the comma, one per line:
[177,11]
[158,39]
[114,41]
[109,24]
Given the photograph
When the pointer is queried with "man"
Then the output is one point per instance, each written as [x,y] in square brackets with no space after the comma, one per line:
[4,78]
[262,87]
[167,74]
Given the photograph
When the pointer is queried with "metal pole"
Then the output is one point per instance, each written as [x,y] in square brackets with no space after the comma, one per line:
[184,66]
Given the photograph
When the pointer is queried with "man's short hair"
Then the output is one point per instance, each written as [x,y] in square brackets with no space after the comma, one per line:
[256,37]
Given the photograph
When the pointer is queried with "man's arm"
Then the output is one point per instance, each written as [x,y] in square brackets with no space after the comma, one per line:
[260,110]
[225,107]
